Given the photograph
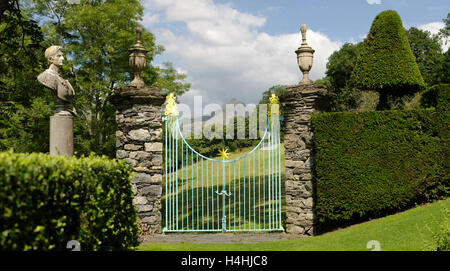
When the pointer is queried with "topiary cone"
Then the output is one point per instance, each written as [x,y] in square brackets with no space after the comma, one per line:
[386,62]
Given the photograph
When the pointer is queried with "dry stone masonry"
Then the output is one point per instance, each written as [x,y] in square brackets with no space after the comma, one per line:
[299,102]
[139,142]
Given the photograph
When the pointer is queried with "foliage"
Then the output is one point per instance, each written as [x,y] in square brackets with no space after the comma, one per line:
[426,49]
[168,80]
[445,74]
[428,53]
[437,96]
[48,201]
[386,62]
[444,33]
[372,163]
[340,65]
[25,128]
[95,36]
[442,237]
[339,68]
[277,90]
[24,104]
[21,55]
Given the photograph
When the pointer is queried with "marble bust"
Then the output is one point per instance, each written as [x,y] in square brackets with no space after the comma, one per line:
[61,88]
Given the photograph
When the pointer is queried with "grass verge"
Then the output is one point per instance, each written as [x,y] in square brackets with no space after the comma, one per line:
[412,230]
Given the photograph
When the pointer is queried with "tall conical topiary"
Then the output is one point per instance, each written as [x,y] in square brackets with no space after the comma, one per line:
[386,62]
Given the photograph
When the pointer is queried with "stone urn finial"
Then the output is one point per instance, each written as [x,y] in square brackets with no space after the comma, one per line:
[304,57]
[137,59]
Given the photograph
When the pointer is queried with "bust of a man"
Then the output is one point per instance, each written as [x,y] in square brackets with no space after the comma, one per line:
[61,88]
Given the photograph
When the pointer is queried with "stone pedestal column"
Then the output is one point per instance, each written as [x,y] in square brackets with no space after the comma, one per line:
[61,134]
[139,142]
[298,103]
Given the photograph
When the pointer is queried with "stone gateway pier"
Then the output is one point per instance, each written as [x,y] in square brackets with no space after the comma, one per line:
[299,102]
[138,141]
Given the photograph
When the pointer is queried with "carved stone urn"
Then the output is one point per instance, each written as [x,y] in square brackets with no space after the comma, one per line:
[137,59]
[304,57]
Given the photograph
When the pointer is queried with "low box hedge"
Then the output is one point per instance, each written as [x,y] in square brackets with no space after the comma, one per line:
[373,163]
[47,201]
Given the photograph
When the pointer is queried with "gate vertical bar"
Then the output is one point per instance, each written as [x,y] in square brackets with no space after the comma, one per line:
[270,173]
[165,167]
[259,189]
[223,197]
[176,172]
[203,213]
[249,198]
[234,195]
[192,182]
[182,186]
[197,194]
[279,168]
[217,198]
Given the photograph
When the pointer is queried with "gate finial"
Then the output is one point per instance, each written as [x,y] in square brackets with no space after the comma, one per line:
[171,106]
[272,101]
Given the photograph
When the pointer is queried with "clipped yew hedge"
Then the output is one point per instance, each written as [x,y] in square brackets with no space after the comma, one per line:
[47,201]
[386,61]
[371,164]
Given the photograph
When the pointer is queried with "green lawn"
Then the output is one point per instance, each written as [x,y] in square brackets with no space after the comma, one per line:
[411,230]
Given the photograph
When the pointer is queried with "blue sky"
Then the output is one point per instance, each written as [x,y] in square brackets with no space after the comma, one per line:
[239,49]
[338,19]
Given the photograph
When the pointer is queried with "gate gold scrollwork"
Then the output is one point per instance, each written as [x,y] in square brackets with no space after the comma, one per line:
[273,100]
[171,106]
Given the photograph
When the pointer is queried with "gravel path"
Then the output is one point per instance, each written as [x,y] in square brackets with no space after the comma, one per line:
[218,237]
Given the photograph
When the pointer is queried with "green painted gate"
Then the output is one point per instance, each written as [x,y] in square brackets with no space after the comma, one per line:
[202,194]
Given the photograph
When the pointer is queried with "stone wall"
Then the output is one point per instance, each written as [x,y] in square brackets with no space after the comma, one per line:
[299,102]
[139,142]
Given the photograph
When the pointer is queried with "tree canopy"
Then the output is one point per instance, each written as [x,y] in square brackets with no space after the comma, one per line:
[428,53]
[95,36]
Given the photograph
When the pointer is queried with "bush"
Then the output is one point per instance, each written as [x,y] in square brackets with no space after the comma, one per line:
[386,62]
[442,237]
[373,163]
[48,201]
[436,96]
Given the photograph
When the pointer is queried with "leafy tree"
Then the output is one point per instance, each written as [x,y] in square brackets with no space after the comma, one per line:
[339,68]
[445,32]
[386,63]
[24,106]
[167,79]
[21,54]
[340,65]
[277,90]
[96,35]
[428,53]
[445,76]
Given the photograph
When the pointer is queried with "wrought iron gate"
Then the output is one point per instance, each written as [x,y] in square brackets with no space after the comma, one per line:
[205,194]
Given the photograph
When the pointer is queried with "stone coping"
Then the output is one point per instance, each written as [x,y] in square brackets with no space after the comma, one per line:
[127,95]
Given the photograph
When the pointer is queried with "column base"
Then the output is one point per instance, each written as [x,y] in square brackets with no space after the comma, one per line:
[61,135]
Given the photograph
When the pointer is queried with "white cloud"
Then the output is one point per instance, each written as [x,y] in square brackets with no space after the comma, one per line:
[434,28]
[225,55]
[372,2]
